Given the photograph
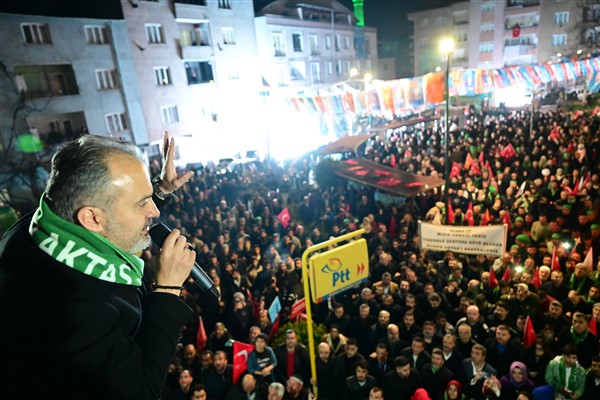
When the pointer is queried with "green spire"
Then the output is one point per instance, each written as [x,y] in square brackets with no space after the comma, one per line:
[359,11]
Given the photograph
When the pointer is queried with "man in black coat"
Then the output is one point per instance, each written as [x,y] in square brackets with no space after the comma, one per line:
[381,364]
[502,350]
[401,382]
[220,378]
[101,334]
[292,349]
[344,364]
[416,354]
[324,366]
[435,375]
[360,384]
[592,381]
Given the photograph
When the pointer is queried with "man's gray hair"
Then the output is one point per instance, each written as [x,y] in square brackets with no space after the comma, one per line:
[279,387]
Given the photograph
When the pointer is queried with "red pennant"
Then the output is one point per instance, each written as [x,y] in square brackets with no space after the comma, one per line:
[507,276]
[284,218]
[241,351]
[555,265]
[274,327]
[592,327]
[493,279]
[469,215]
[481,157]
[506,220]
[536,281]
[475,169]
[486,218]
[450,214]
[468,162]
[201,337]
[529,335]
[588,260]
[508,152]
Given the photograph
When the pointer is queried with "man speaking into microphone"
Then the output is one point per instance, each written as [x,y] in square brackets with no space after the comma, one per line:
[77,321]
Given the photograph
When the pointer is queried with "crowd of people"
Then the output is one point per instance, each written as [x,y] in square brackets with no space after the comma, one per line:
[426,324]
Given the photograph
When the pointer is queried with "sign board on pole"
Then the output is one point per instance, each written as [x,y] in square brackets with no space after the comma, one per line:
[338,269]
[485,240]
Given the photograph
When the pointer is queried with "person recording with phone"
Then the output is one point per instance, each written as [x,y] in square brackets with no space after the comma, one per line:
[75,310]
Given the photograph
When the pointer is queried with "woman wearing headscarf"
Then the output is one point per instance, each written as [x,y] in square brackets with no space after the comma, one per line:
[515,381]
[453,391]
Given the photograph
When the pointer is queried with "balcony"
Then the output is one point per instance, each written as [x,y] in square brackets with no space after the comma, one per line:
[196,52]
[190,10]
[46,80]
[511,52]
[522,3]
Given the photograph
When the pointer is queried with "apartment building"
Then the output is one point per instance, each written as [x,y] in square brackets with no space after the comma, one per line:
[499,33]
[62,76]
[307,46]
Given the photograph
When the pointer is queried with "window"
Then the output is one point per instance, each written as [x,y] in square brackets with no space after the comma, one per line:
[461,37]
[488,6]
[561,18]
[115,122]
[96,34]
[198,72]
[224,4]
[315,72]
[338,68]
[487,47]
[106,79]
[424,23]
[559,40]
[278,44]
[297,42]
[329,68]
[162,76]
[439,21]
[313,41]
[328,42]
[169,114]
[487,28]
[346,42]
[423,42]
[228,35]
[346,66]
[297,70]
[154,33]
[337,42]
[36,33]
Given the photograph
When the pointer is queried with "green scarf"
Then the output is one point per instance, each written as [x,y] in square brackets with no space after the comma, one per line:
[578,337]
[83,250]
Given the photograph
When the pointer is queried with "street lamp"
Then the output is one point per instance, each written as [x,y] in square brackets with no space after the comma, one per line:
[447,47]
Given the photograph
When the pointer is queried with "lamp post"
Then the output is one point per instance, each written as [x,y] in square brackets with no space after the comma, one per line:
[447,47]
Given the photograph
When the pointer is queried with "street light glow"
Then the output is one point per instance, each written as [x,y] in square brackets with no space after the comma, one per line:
[368,77]
[447,45]
[353,72]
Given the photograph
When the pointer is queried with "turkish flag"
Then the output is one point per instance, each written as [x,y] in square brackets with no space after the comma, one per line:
[455,171]
[201,337]
[536,278]
[529,335]
[506,220]
[555,264]
[468,161]
[284,218]
[241,351]
[592,327]
[493,279]
[450,214]
[508,152]
[469,215]
[475,168]
[507,276]
[516,31]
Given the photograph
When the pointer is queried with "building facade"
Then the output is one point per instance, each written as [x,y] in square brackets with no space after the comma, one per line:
[307,46]
[501,33]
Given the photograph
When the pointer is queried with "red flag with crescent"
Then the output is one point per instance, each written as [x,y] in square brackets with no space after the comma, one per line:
[241,351]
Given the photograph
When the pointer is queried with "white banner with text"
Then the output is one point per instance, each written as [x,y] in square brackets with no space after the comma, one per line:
[486,240]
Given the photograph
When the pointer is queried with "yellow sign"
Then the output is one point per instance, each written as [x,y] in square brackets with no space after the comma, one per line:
[339,269]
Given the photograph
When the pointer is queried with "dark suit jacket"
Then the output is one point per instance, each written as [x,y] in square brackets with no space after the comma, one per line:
[422,359]
[354,391]
[301,363]
[435,383]
[465,376]
[378,373]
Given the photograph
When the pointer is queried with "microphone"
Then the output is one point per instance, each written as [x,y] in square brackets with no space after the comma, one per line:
[159,233]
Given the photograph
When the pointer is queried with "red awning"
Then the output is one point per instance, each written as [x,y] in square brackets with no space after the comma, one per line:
[343,145]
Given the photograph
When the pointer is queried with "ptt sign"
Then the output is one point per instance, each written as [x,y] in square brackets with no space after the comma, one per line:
[336,270]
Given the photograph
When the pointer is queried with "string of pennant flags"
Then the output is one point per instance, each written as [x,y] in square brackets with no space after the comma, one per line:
[410,95]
